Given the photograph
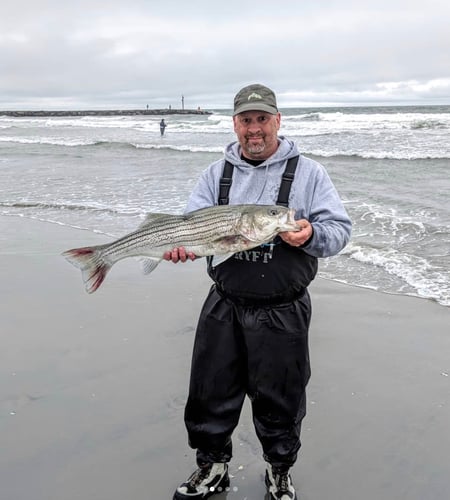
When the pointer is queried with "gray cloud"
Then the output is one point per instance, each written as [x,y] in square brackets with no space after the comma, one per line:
[119,54]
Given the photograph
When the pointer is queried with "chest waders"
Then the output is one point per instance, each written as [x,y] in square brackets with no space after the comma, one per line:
[252,339]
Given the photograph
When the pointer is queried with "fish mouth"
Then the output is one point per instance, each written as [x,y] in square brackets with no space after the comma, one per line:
[290,220]
[291,216]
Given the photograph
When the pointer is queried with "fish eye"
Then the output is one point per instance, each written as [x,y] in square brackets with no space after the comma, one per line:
[273,211]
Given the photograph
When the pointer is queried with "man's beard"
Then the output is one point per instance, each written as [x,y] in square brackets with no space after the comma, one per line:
[255,149]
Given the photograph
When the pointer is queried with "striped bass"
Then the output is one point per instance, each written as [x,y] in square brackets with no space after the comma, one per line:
[220,231]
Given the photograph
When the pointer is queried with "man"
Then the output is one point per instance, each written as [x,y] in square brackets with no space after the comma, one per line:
[252,335]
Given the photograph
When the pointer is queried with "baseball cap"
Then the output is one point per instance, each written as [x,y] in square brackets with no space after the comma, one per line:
[255,97]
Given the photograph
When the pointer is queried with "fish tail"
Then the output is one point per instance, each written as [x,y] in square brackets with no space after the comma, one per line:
[94,267]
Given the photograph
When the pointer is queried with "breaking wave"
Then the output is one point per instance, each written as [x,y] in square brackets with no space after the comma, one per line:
[428,124]
[71,206]
[320,152]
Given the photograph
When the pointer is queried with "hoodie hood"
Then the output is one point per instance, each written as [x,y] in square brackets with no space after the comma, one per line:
[258,184]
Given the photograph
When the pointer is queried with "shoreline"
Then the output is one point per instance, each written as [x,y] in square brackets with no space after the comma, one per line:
[93,387]
[105,112]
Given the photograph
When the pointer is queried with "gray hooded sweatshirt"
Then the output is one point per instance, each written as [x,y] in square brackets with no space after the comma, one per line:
[313,195]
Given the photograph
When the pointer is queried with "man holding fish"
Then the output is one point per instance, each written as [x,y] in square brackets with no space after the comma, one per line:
[262,216]
[252,335]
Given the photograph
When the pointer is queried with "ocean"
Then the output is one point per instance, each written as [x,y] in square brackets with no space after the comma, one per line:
[391,166]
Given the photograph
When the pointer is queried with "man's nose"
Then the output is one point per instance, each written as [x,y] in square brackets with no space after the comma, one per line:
[254,126]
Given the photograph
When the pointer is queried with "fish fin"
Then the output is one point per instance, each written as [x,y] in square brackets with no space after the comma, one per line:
[149,264]
[218,259]
[94,267]
[150,218]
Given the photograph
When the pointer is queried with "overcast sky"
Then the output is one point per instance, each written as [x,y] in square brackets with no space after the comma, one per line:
[116,54]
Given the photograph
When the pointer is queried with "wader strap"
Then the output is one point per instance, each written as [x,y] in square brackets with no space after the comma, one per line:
[225,183]
[285,186]
[286,181]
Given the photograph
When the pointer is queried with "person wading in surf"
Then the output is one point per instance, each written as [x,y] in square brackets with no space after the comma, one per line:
[252,334]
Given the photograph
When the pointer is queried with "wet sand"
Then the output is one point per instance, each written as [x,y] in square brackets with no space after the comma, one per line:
[92,387]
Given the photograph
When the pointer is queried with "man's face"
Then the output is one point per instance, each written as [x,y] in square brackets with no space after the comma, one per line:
[257,133]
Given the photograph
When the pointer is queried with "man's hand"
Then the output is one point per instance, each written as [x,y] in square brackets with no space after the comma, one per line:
[179,255]
[298,238]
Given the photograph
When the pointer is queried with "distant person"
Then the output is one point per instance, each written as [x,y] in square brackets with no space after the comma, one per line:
[162,126]
[252,334]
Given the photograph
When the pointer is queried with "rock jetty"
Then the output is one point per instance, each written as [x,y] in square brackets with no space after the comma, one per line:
[108,112]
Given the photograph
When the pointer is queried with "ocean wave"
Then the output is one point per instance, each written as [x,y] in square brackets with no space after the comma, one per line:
[338,122]
[173,147]
[71,143]
[398,154]
[398,227]
[416,275]
[51,141]
[159,147]
[67,142]
[71,206]
[429,124]
[310,117]
[375,155]
[201,124]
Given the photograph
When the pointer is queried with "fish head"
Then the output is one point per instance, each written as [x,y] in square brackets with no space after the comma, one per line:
[260,223]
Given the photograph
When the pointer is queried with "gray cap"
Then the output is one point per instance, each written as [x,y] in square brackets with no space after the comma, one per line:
[255,97]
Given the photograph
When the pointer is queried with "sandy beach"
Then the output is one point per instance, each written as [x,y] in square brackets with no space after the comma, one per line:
[92,387]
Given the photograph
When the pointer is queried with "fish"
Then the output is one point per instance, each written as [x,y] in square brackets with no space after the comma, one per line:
[218,231]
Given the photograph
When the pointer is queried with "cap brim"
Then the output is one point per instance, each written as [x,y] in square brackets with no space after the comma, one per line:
[254,106]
